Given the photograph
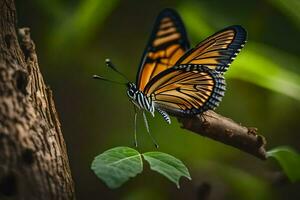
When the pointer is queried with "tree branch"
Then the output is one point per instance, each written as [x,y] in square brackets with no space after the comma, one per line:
[225,130]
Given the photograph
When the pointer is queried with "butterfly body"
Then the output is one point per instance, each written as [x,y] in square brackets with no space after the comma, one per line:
[140,100]
[144,102]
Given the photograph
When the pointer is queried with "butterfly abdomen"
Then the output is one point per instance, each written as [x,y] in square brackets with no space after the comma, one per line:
[164,115]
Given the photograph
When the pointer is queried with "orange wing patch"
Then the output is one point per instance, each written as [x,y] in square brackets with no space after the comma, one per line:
[167,44]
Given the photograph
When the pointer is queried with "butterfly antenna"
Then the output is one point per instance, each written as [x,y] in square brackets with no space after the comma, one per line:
[112,66]
[148,130]
[108,80]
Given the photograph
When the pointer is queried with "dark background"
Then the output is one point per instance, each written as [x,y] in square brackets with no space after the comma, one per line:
[263,90]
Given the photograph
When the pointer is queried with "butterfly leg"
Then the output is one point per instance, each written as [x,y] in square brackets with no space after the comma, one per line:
[164,115]
[148,130]
[135,135]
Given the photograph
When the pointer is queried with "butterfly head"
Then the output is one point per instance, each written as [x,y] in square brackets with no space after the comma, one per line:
[131,91]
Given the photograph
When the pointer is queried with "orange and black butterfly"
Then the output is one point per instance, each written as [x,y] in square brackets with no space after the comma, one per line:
[174,79]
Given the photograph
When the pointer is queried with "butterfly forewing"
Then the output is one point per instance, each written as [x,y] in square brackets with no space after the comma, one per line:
[186,89]
[181,81]
[217,51]
[168,43]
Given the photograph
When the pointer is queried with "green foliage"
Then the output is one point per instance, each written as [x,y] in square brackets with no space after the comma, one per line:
[241,181]
[193,16]
[288,159]
[53,8]
[265,72]
[167,165]
[290,8]
[76,26]
[117,165]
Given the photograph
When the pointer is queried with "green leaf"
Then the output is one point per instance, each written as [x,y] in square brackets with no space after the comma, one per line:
[117,165]
[289,160]
[167,165]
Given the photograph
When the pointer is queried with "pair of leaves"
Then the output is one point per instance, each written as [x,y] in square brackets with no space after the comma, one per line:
[115,166]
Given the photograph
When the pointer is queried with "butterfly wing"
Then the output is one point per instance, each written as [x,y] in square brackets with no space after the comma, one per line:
[186,89]
[217,51]
[168,42]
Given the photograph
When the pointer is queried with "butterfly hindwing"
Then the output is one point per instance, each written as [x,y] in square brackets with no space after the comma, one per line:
[217,51]
[168,42]
[186,89]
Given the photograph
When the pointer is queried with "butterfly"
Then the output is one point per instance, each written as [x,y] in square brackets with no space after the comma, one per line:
[174,79]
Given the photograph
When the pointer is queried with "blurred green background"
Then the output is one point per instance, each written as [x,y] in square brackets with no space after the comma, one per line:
[263,90]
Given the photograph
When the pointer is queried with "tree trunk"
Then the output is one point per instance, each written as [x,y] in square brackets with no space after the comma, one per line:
[33,157]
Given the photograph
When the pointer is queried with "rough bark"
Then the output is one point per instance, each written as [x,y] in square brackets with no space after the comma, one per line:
[225,130]
[33,157]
